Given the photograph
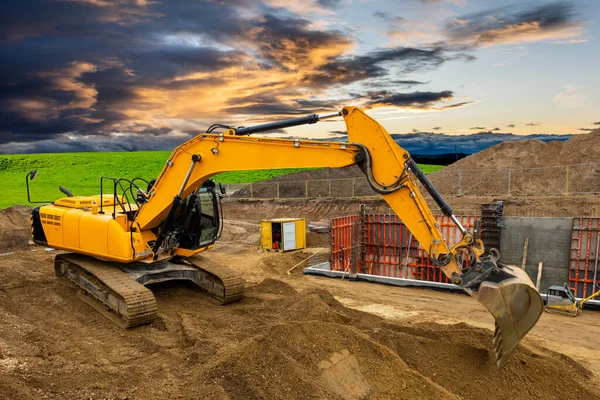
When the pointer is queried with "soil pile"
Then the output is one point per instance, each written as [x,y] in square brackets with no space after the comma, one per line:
[535,153]
[537,168]
[277,343]
[14,227]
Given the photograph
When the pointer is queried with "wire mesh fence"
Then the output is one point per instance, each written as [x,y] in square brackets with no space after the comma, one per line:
[545,181]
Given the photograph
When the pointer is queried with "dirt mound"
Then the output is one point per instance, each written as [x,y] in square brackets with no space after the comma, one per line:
[314,347]
[537,168]
[535,153]
[273,286]
[278,343]
[14,227]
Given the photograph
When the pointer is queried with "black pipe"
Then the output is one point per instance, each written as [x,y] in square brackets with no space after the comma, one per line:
[65,191]
[166,225]
[309,119]
[437,197]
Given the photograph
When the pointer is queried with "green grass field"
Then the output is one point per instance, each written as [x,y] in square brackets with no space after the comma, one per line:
[81,172]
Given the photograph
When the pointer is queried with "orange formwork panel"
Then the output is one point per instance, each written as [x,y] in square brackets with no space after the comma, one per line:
[584,269]
[380,244]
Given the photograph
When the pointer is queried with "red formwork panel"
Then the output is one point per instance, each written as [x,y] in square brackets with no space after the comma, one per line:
[381,245]
[584,268]
[344,243]
[421,265]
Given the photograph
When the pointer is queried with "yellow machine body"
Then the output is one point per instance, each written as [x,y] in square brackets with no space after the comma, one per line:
[78,224]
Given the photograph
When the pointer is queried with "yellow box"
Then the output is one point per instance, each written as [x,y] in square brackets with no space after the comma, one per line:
[283,234]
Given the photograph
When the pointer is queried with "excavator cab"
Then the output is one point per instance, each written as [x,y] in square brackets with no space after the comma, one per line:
[200,221]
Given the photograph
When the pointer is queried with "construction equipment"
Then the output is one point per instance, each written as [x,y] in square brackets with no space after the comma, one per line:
[135,236]
[560,300]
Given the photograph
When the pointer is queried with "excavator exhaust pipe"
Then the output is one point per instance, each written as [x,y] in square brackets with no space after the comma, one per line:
[509,295]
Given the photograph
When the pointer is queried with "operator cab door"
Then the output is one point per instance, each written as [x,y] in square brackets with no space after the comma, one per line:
[289,236]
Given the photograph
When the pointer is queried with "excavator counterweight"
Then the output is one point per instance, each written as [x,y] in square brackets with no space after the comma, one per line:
[144,232]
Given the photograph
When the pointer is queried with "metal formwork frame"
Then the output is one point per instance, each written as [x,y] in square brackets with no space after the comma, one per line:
[584,268]
[345,243]
[380,244]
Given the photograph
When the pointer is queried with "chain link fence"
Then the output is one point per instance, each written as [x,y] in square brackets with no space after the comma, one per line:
[546,181]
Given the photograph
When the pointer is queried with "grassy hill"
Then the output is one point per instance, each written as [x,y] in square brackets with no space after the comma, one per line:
[81,172]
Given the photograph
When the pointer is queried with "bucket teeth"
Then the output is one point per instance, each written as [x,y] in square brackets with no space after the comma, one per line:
[498,351]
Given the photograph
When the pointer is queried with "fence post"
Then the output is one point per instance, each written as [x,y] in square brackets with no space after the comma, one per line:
[460,182]
[277,183]
[251,191]
[330,187]
[306,188]
[353,179]
[567,182]
[509,181]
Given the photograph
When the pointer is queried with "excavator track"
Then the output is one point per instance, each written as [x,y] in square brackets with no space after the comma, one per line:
[222,283]
[108,290]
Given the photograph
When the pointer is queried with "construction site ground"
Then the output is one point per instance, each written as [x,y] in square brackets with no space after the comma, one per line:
[292,337]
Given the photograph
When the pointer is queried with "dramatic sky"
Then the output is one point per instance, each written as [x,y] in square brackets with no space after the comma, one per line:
[143,74]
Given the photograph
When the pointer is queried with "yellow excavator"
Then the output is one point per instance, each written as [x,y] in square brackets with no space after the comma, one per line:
[146,232]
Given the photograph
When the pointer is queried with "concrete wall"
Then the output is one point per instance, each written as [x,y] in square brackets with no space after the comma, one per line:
[549,241]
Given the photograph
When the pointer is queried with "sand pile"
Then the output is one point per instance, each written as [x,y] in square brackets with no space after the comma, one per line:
[14,227]
[537,168]
[277,343]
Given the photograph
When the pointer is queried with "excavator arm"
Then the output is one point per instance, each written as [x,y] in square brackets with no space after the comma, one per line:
[507,293]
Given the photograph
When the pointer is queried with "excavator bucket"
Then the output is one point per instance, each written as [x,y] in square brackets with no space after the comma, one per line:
[509,295]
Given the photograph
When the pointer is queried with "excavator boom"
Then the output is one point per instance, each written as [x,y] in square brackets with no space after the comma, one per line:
[157,231]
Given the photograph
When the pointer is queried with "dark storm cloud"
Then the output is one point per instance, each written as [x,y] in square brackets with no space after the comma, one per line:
[388,83]
[289,41]
[408,82]
[384,16]
[516,23]
[478,128]
[587,129]
[455,105]
[533,124]
[277,108]
[82,68]
[510,125]
[47,90]
[596,123]
[377,64]
[329,3]
[414,99]
[266,104]
[436,128]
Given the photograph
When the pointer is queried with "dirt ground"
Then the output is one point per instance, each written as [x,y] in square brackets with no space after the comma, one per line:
[291,337]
